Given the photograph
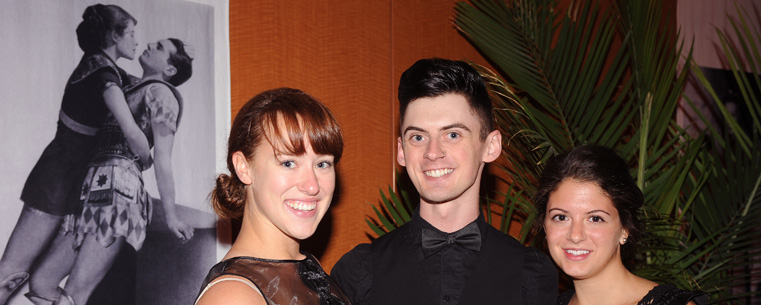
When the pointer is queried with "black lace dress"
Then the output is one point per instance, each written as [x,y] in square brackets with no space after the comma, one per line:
[283,282]
[659,295]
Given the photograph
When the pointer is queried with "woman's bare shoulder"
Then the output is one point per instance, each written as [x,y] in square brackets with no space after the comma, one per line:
[230,289]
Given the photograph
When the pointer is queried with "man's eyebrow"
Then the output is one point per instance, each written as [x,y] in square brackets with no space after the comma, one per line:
[456,125]
[413,128]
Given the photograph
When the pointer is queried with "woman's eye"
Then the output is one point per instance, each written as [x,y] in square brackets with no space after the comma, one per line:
[596,219]
[288,164]
[325,164]
[559,217]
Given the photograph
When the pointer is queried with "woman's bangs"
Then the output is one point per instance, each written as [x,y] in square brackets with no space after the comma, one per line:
[283,132]
[324,133]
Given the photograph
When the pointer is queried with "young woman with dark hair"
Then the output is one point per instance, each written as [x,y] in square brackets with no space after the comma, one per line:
[589,211]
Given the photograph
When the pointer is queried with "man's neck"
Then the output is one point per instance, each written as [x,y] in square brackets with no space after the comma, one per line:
[449,216]
[152,76]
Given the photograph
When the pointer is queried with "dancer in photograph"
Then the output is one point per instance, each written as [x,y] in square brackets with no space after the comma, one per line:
[93,90]
[588,207]
[282,152]
[116,207]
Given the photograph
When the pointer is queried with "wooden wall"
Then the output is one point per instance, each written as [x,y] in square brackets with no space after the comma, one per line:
[349,54]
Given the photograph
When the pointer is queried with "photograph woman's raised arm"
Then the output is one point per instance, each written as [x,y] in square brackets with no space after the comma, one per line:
[138,143]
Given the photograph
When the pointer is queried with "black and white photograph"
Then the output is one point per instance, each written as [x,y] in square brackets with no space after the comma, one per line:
[112,115]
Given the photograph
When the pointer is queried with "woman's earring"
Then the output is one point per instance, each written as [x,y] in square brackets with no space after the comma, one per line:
[623,241]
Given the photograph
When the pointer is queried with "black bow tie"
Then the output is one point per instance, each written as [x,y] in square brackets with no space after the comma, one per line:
[468,237]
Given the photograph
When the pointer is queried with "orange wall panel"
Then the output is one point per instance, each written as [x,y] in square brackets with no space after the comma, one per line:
[339,54]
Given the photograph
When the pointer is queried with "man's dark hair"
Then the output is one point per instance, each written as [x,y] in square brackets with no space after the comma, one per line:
[435,77]
[182,62]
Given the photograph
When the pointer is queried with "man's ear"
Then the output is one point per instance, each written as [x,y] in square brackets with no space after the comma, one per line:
[400,152]
[493,146]
[242,168]
[170,71]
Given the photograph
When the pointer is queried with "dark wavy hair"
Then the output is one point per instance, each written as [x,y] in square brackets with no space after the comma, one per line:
[602,166]
[98,21]
[435,77]
[302,115]
[182,62]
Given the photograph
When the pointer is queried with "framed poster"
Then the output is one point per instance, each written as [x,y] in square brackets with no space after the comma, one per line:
[40,53]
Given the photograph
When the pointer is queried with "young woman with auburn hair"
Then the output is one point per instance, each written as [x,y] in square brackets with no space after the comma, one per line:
[282,152]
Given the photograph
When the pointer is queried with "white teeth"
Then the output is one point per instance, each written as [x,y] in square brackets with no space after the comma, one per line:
[438,172]
[577,252]
[302,206]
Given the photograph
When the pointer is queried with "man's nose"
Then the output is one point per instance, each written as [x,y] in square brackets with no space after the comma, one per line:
[434,150]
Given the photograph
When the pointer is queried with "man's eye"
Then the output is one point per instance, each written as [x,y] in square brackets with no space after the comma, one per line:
[417,138]
[453,135]
[288,164]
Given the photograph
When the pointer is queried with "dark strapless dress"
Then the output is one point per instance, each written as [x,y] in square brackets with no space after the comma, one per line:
[301,282]
[659,295]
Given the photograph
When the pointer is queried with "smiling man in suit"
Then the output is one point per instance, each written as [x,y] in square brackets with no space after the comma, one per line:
[447,253]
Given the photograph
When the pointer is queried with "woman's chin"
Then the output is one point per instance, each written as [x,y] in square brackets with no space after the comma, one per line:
[576,272]
[302,233]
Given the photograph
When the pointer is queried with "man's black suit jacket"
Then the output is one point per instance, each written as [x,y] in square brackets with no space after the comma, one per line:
[389,271]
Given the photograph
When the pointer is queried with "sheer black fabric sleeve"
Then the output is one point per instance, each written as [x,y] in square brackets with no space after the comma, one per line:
[539,278]
[699,298]
[353,273]
[670,295]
